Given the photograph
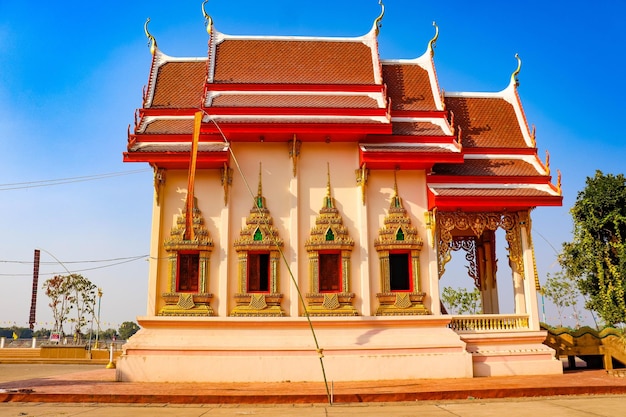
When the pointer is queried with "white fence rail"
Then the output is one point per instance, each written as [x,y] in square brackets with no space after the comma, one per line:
[489,322]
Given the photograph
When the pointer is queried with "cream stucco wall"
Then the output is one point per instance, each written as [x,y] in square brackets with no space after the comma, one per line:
[287,196]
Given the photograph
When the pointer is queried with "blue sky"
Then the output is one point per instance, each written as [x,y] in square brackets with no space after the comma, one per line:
[71,77]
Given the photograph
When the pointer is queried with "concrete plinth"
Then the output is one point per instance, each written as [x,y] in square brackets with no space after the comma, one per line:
[231,349]
[511,353]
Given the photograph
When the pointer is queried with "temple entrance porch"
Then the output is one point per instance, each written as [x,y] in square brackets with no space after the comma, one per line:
[498,255]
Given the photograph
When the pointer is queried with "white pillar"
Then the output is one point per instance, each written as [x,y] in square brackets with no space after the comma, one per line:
[34,344]
[532,307]
[519,291]
[364,245]
[2,342]
[153,268]
[292,251]
[429,259]
[222,259]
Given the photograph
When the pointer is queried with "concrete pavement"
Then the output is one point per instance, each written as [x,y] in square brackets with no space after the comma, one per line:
[72,390]
[586,406]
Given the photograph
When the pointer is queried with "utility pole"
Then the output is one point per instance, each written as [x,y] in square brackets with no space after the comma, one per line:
[98,320]
[33,300]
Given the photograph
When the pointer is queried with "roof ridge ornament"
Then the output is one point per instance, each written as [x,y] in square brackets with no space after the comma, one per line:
[208,21]
[514,79]
[377,23]
[151,41]
[433,42]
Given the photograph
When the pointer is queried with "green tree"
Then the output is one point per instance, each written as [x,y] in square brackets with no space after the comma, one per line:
[127,329]
[596,257]
[461,301]
[42,333]
[563,293]
[108,334]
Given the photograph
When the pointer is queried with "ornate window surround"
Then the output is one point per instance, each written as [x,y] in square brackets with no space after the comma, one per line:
[329,235]
[399,236]
[186,303]
[258,236]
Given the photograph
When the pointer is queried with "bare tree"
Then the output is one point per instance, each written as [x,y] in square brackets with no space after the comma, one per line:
[71,292]
[56,289]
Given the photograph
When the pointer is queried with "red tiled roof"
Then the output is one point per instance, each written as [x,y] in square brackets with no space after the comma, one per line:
[289,100]
[491,192]
[293,62]
[169,126]
[417,129]
[180,85]
[487,167]
[486,122]
[409,87]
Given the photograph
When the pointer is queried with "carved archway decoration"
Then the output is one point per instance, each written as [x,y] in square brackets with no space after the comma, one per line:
[468,244]
[449,222]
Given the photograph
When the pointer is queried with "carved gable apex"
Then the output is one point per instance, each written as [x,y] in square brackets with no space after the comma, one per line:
[177,242]
[397,232]
[329,231]
[259,232]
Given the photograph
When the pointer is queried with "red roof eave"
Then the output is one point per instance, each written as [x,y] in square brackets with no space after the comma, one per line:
[178,160]
[407,160]
[481,203]
[503,179]
[327,129]
[438,114]
[296,111]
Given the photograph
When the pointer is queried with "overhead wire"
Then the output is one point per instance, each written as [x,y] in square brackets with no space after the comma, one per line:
[69,180]
[120,262]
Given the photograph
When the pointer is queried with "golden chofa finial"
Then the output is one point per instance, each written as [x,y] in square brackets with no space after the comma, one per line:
[208,22]
[516,72]
[378,22]
[151,40]
[433,41]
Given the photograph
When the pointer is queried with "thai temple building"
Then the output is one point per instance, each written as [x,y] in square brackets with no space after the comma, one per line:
[308,196]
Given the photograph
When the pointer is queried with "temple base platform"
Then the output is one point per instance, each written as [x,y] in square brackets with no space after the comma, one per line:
[254,349]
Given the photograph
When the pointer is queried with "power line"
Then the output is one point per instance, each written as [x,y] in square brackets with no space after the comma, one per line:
[121,261]
[61,181]
[76,262]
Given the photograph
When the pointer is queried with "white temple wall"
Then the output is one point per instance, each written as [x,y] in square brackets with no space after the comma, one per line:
[210,197]
[342,158]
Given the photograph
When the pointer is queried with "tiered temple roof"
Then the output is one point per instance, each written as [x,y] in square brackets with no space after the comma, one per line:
[476,148]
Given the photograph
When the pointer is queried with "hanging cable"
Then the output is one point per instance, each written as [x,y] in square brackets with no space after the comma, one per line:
[120,262]
[61,181]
